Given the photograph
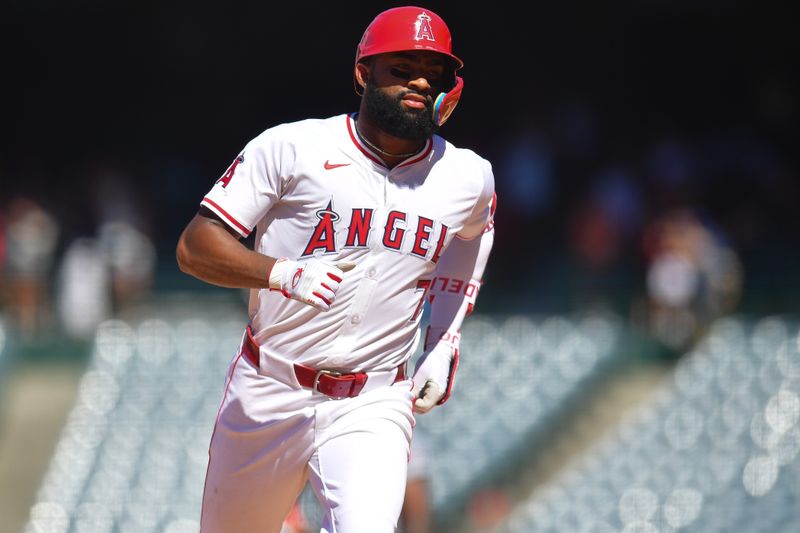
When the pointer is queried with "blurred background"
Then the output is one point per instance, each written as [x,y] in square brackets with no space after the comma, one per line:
[636,339]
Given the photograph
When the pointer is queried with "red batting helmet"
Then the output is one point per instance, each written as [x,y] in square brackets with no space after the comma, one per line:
[411,28]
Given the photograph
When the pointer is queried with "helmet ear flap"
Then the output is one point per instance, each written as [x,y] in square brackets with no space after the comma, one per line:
[445,103]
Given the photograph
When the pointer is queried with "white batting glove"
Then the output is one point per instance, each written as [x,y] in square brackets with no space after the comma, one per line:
[434,373]
[310,281]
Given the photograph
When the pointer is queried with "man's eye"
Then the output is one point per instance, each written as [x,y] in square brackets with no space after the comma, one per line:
[402,74]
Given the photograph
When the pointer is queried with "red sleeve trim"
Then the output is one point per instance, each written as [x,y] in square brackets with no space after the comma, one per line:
[235,224]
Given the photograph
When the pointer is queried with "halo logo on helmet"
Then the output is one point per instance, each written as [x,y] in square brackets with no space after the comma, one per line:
[411,28]
[424,27]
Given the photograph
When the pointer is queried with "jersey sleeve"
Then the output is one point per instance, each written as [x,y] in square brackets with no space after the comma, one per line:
[481,219]
[253,183]
[459,273]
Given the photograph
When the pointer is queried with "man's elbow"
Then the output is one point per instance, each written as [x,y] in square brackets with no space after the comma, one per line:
[183,256]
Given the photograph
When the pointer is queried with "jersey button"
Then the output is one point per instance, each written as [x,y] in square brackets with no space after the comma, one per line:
[355,319]
[371,272]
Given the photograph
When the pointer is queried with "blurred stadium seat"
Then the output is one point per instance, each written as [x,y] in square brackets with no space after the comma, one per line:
[132,455]
[715,451]
[517,376]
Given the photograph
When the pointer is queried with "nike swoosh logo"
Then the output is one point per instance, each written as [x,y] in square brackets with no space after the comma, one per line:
[328,165]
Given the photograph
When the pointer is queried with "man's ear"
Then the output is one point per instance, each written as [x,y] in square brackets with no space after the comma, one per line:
[362,75]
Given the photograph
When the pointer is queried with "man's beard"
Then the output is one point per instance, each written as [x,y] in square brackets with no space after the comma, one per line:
[390,116]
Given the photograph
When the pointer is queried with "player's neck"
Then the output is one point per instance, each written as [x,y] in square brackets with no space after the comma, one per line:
[392,150]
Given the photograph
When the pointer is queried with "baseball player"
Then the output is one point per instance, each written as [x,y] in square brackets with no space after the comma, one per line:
[359,219]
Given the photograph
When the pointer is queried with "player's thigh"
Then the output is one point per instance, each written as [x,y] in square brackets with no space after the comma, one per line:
[257,462]
[360,475]
[249,489]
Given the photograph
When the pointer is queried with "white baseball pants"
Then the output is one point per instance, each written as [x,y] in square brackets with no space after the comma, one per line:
[270,437]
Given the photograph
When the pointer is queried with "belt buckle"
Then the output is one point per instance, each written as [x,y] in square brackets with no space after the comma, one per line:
[319,374]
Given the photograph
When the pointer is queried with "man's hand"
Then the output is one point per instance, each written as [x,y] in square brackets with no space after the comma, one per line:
[433,376]
[311,281]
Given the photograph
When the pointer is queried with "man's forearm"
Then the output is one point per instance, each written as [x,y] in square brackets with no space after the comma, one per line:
[207,251]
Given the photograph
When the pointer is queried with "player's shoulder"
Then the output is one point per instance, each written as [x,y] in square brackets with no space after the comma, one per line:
[461,156]
[467,162]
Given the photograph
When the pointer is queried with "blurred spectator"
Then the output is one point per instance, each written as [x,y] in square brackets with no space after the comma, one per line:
[693,276]
[595,244]
[101,276]
[122,233]
[488,508]
[616,192]
[31,238]
[84,296]
[131,258]
[601,229]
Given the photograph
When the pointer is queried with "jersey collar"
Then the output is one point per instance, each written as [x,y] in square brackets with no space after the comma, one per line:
[374,157]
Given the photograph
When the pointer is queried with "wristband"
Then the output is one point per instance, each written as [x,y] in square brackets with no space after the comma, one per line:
[276,274]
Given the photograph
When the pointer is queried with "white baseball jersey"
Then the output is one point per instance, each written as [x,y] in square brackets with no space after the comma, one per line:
[313,189]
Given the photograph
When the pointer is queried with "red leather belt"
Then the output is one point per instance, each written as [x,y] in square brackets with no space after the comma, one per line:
[329,382]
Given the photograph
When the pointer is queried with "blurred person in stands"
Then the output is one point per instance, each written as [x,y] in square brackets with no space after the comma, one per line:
[131,259]
[123,233]
[31,239]
[603,226]
[103,276]
[83,295]
[693,276]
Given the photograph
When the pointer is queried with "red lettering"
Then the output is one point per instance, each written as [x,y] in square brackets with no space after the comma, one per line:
[452,339]
[455,285]
[423,235]
[424,286]
[471,289]
[439,244]
[358,233]
[393,236]
[323,236]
